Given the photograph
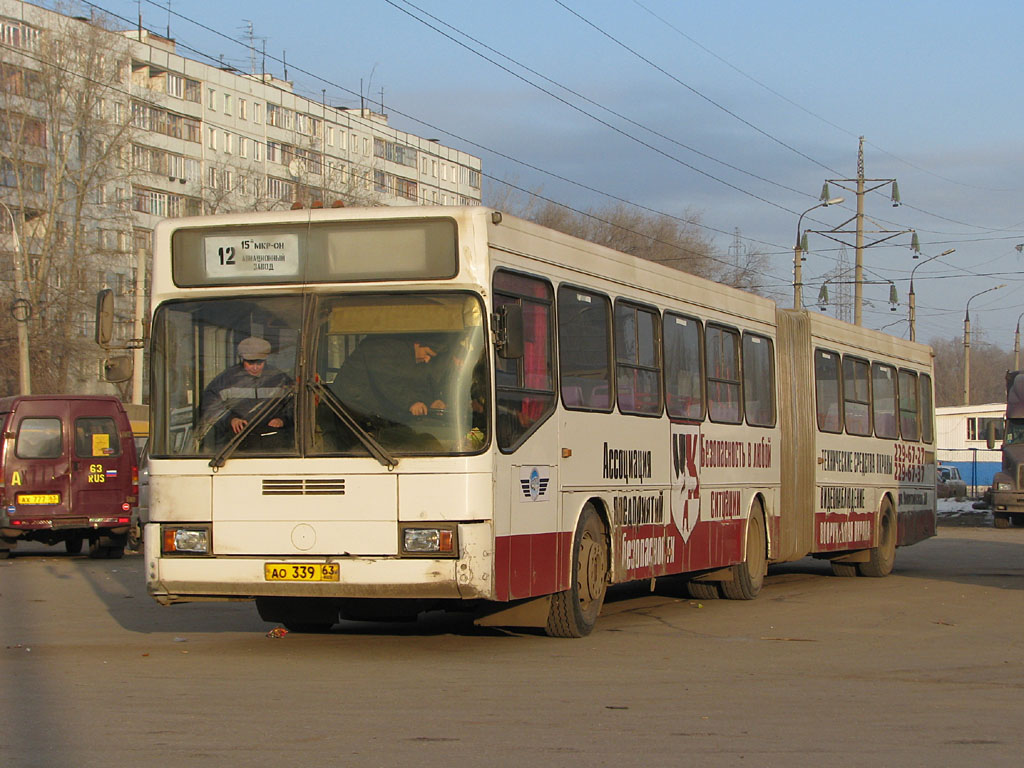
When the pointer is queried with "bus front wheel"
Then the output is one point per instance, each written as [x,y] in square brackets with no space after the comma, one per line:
[574,612]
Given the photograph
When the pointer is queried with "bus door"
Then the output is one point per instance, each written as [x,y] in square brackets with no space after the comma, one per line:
[532,545]
[36,467]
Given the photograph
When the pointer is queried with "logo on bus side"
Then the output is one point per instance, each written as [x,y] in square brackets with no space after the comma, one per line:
[685,498]
[534,483]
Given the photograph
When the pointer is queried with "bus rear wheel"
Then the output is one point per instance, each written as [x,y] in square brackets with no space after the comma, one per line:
[881,558]
[574,612]
[748,576]
[702,590]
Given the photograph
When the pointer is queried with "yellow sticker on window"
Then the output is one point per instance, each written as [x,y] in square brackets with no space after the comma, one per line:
[100,445]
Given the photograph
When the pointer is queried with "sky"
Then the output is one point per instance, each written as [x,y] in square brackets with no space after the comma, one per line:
[734,112]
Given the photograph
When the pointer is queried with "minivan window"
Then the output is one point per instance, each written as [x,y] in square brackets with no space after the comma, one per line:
[38,439]
[95,437]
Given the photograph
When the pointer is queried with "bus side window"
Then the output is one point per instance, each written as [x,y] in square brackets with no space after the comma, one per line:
[525,386]
[827,391]
[722,350]
[758,380]
[924,382]
[909,424]
[883,401]
[638,359]
[684,367]
[856,396]
[584,349]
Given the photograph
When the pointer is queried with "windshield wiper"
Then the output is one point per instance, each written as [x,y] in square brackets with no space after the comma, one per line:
[378,451]
[258,415]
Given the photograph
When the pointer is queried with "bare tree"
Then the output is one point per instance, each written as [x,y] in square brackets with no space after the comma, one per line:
[65,144]
[989,365]
[677,242]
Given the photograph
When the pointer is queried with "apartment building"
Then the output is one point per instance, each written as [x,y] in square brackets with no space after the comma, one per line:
[197,138]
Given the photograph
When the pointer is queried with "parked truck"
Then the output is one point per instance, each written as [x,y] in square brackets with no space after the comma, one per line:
[1006,496]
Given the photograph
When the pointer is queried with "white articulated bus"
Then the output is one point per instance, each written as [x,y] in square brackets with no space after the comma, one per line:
[364,413]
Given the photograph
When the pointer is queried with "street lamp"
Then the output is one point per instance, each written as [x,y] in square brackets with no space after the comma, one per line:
[967,342]
[19,310]
[911,299]
[800,248]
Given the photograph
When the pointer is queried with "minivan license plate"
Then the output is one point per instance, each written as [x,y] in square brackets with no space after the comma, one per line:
[39,498]
[301,572]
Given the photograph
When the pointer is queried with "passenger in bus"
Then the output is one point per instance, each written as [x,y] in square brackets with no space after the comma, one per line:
[390,378]
[231,399]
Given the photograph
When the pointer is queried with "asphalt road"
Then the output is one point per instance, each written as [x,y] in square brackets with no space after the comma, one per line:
[919,669]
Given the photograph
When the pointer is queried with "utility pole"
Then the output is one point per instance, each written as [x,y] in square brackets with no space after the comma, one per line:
[141,256]
[861,186]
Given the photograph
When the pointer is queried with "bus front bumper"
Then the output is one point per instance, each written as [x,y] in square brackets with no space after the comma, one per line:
[180,579]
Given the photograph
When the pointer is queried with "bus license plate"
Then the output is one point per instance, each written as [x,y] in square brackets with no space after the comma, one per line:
[39,498]
[301,572]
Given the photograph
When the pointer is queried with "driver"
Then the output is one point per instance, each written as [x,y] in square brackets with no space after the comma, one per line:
[391,378]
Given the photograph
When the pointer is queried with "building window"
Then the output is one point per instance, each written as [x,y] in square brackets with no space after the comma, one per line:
[227,103]
[212,138]
[243,109]
[211,99]
[175,85]
[18,34]
[977,428]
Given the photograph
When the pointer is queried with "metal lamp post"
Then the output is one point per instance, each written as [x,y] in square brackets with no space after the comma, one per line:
[799,248]
[911,299]
[967,342]
[20,307]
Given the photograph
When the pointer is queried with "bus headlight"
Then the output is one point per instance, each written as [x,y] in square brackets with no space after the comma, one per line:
[185,540]
[429,541]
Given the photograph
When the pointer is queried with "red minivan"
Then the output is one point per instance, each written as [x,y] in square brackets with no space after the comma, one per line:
[69,472]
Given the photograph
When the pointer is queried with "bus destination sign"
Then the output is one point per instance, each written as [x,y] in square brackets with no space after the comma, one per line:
[240,256]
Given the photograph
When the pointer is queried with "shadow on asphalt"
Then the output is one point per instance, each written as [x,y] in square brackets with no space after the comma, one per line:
[953,556]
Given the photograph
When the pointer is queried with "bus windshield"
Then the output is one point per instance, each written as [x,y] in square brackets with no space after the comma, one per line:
[402,374]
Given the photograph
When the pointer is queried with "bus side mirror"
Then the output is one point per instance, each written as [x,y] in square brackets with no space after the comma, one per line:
[508,321]
[105,318]
[117,369]
[990,435]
